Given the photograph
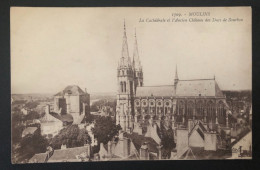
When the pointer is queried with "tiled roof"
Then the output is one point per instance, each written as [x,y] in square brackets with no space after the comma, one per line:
[74,90]
[39,158]
[63,117]
[199,87]
[200,153]
[29,130]
[200,129]
[138,140]
[167,90]
[67,154]
[241,135]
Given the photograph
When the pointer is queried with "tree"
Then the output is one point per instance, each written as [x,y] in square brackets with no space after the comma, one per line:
[32,144]
[32,115]
[83,137]
[105,129]
[32,105]
[71,136]
[167,140]
[17,127]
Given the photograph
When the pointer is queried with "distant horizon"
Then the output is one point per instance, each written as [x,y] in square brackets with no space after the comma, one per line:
[116,92]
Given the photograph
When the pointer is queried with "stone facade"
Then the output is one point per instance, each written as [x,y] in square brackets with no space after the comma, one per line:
[199,99]
[74,101]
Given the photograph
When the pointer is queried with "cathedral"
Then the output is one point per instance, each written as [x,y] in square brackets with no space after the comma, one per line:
[184,100]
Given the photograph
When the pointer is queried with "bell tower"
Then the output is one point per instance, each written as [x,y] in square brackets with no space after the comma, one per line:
[125,83]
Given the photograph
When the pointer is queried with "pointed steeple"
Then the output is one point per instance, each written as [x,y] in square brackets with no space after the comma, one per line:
[176,79]
[176,73]
[136,60]
[125,59]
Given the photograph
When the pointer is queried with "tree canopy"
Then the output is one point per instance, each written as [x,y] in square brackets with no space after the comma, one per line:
[105,129]
[32,144]
[71,136]
[167,140]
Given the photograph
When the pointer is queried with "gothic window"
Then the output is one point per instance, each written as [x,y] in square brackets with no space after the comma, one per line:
[181,108]
[124,86]
[210,109]
[220,109]
[121,86]
[190,108]
[199,108]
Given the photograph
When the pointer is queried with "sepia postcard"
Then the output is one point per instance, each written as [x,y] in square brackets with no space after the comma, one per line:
[130,83]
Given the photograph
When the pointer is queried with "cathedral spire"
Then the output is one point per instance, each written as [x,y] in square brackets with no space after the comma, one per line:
[136,60]
[125,59]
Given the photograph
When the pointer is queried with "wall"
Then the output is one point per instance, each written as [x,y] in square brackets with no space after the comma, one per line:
[182,140]
[74,103]
[210,142]
[195,140]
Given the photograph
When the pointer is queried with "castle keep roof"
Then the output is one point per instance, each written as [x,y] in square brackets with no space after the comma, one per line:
[197,87]
[74,90]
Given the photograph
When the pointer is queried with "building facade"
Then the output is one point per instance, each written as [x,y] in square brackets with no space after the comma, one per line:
[196,99]
[74,101]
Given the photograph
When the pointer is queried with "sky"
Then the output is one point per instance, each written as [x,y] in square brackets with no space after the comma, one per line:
[55,47]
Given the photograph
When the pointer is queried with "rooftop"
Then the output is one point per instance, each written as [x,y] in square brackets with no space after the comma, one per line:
[29,130]
[67,154]
[194,87]
[138,140]
[39,158]
[73,90]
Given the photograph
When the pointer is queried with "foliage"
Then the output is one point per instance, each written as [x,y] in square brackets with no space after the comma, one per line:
[88,118]
[33,115]
[71,136]
[17,127]
[83,137]
[32,144]
[103,102]
[32,105]
[167,140]
[105,129]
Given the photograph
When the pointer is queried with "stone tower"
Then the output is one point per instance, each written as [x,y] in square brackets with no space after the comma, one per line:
[137,67]
[125,83]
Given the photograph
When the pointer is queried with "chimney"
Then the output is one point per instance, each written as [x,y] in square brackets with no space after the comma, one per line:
[113,146]
[159,151]
[47,109]
[88,149]
[190,124]
[144,152]
[109,148]
[126,148]
[63,146]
